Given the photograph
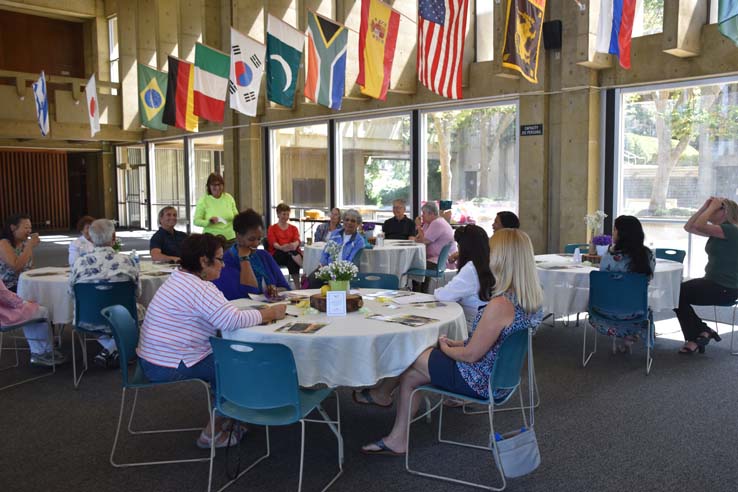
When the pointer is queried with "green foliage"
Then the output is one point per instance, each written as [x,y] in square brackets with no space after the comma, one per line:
[646,149]
[386,180]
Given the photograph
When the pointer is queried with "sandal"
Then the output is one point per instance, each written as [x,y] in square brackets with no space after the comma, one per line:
[367,398]
[223,439]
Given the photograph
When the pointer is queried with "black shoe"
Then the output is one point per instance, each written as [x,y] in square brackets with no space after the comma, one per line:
[107,360]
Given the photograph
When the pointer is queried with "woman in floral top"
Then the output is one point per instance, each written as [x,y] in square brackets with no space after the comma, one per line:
[627,254]
[465,367]
[16,249]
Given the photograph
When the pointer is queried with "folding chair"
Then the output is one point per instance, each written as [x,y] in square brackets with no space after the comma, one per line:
[257,383]
[619,300]
[505,376]
[89,299]
[376,281]
[10,328]
[670,254]
[125,332]
[440,270]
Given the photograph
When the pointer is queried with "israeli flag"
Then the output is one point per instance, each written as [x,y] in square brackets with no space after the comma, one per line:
[42,104]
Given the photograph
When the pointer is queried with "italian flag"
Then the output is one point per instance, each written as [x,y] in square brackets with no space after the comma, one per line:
[212,68]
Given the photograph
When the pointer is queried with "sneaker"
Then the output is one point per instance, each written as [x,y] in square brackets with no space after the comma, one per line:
[48,359]
[107,360]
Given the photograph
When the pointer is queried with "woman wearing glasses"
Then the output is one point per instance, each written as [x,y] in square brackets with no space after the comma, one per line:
[718,220]
[348,239]
[186,311]
[249,270]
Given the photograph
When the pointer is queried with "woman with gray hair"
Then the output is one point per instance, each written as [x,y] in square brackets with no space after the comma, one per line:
[348,238]
[435,234]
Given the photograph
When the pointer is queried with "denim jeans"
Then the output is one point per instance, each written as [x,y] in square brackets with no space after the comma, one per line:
[205,370]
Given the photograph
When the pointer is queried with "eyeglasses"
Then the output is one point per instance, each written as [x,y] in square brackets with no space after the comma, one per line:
[350,220]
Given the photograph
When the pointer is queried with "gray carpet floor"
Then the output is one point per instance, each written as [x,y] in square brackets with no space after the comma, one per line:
[607,427]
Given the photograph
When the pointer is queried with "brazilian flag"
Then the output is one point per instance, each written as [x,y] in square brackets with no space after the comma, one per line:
[152,89]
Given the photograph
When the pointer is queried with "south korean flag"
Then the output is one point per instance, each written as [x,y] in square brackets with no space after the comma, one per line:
[247,67]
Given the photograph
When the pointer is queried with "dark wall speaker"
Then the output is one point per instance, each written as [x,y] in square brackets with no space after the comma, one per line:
[552,35]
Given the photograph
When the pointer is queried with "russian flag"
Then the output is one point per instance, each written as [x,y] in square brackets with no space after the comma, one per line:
[615,29]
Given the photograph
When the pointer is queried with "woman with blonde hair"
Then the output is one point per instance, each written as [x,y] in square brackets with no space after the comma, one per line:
[465,367]
[718,220]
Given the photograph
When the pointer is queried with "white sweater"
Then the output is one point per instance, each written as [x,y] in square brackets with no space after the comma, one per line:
[464,289]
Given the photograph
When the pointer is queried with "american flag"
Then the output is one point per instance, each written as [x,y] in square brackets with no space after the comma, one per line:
[441,33]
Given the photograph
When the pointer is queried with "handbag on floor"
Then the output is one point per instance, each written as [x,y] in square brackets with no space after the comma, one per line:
[518,452]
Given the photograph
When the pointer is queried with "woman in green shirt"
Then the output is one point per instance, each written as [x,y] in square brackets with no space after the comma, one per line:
[215,210]
[718,220]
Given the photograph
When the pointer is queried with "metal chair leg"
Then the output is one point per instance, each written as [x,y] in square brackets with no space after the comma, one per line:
[585,356]
[17,363]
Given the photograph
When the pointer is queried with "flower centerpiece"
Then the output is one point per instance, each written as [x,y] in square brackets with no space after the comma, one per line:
[594,223]
[338,274]
[602,242]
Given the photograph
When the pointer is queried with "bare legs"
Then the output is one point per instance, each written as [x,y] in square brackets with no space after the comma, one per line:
[416,375]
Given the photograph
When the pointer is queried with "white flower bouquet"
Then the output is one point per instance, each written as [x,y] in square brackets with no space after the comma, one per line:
[595,221]
[341,270]
[333,249]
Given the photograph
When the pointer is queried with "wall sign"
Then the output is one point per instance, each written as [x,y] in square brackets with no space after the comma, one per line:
[527,130]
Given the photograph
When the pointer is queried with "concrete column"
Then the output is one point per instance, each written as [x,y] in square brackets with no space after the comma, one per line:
[683,21]
[191,27]
[127,13]
[147,26]
[167,17]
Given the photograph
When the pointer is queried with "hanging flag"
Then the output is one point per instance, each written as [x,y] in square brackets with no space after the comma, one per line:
[728,19]
[523,33]
[615,29]
[179,104]
[441,34]
[377,39]
[42,104]
[93,109]
[325,76]
[152,86]
[247,66]
[284,50]
[211,82]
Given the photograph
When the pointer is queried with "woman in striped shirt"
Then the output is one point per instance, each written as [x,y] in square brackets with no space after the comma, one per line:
[185,312]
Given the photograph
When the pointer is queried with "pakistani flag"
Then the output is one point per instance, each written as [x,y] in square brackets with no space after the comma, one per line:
[211,82]
[284,50]
[728,19]
[152,87]
[247,67]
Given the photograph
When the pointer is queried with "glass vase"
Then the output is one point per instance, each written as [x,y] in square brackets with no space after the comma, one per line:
[339,285]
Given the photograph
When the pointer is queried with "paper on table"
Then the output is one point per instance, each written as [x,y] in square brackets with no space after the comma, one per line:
[413,298]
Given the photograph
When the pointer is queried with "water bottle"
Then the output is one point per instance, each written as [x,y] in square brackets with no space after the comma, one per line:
[135,258]
[380,240]
[577,256]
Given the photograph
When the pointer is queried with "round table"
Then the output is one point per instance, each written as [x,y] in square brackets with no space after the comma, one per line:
[48,286]
[566,285]
[397,256]
[354,350]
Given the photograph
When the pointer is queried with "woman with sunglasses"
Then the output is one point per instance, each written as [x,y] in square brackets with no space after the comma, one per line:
[717,219]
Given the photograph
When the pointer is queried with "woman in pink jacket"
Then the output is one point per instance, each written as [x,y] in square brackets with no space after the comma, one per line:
[13,311]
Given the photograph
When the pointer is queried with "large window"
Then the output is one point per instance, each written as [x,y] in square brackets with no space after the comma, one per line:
[375,165]
[649,17]
[113,52]
[678,145]
[299,168]
[470,158]
[131,186]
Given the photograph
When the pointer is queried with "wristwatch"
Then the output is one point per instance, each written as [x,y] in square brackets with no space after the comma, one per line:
[245,258]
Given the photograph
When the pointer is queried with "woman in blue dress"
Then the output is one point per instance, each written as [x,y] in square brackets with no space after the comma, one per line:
[248,269]
[465,366]
[626,254]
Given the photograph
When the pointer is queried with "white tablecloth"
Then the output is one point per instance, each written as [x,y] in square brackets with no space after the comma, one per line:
[566,286]
[395,257]
[51,291]
[354,350]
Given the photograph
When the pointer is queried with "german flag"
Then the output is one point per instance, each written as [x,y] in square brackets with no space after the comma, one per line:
[180,102]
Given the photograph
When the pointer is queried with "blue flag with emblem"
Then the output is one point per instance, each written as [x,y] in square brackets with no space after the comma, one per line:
[42,104]
[152,89]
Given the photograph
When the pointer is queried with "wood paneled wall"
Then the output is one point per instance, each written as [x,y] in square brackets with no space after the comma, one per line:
[35,182]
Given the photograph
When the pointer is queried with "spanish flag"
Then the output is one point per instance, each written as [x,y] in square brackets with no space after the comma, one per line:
[523,33]
[377,39]
[180,101]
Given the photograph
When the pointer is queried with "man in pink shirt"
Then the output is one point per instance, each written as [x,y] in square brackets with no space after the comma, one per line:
[435,233]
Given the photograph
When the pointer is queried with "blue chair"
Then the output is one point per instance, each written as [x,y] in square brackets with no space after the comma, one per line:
[89,299]
[583,248]
[11,328]
[670,254]
[440,270]
[125,331]
[376,281]
[503,383]
[257,383]
[620,300]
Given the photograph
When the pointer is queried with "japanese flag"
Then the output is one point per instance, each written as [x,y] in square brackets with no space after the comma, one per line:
[93,110]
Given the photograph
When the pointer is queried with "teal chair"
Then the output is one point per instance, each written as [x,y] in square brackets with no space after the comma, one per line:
[440,270]
[504,382]
[257,383]
[376,281]
[670,254]
[89,300]
[620,300]
[12,328]
[125,331]
[583,248]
